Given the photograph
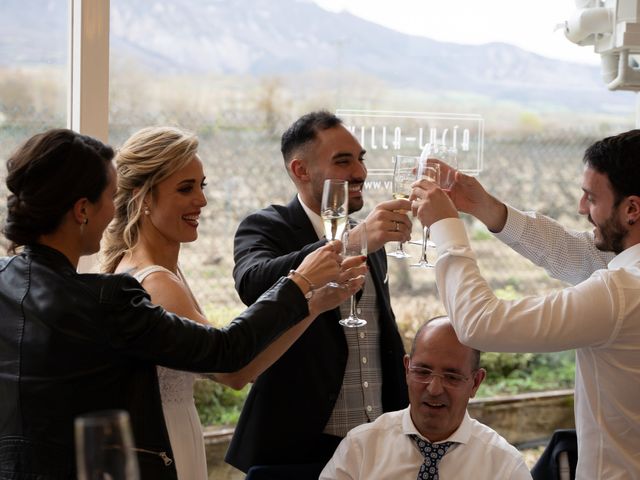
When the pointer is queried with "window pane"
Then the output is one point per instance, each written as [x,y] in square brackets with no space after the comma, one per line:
[34,58]
[239,76]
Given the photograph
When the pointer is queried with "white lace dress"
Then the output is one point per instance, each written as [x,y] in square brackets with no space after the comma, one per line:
[180,415]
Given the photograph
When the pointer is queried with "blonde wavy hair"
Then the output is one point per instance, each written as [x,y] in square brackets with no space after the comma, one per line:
[147,158]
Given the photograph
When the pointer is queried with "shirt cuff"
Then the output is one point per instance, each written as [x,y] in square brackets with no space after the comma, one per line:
[449,233]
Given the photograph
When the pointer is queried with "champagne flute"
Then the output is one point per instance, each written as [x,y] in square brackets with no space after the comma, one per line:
[104,446]
[404,174]
[442,155]
[429,169]
[354,244]
[448,155]
[335,207]
[334,210]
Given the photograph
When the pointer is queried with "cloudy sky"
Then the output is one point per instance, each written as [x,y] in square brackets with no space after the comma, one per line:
[527,24]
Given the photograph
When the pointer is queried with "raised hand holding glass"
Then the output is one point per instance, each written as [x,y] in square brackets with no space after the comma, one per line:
[429,169]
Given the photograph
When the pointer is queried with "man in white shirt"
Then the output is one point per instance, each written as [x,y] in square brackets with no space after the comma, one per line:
[442,375]
[599,316]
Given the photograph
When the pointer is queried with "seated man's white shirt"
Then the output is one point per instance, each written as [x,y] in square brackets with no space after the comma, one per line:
[599,317]
[384,450]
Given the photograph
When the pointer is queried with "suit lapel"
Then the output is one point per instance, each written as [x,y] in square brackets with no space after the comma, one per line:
[300,223]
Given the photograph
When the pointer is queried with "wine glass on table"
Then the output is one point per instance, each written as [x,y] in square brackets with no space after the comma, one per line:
[354,244]
[334,210]
[404,174]
[428,169]
[104,446]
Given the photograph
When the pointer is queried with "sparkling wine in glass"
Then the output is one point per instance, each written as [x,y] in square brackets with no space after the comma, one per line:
[354,244]
[104,446]
[335,207]
[404,174]
[334,210]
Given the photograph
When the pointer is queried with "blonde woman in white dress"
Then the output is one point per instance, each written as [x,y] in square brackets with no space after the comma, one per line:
[158,203]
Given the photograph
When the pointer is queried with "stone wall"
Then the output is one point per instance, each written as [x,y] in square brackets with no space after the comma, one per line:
[527,418]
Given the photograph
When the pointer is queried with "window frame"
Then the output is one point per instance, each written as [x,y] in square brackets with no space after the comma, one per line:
[88,98]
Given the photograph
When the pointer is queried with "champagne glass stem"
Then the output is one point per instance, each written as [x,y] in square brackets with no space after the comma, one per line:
[425,241]
[353,307]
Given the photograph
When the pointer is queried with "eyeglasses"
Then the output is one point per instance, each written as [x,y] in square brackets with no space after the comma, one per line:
[426,376]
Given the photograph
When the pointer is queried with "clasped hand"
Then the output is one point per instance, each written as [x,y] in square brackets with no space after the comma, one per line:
[430,203]
[351,279]
[388,222]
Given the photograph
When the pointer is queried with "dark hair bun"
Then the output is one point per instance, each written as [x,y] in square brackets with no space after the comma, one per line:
[46,176]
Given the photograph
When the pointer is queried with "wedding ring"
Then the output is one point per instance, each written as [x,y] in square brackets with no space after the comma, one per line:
[397,229]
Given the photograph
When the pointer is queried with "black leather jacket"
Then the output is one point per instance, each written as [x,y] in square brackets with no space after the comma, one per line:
[72,343]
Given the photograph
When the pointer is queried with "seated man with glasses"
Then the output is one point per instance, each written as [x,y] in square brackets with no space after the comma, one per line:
[433,438]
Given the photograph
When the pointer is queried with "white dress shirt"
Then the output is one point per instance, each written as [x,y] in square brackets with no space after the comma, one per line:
[567,255]
[383,450]
[600,317]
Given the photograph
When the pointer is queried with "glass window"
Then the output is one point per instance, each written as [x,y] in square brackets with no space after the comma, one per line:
[238,73]
[34,59]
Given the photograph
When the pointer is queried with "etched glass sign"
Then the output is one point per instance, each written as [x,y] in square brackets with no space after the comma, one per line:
[384,134]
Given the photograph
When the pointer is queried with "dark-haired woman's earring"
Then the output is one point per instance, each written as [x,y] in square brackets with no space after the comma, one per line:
[85,221]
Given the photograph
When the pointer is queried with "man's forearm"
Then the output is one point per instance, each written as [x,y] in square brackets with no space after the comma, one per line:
[493,214]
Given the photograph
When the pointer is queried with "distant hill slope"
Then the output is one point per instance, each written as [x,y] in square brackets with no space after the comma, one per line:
[261,37]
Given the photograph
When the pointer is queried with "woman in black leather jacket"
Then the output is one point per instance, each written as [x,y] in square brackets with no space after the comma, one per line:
[72,343]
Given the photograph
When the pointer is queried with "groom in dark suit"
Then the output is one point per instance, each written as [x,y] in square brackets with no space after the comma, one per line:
[333,378]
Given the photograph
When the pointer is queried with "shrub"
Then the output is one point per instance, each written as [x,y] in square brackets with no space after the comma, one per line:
[510,373]
[218,404]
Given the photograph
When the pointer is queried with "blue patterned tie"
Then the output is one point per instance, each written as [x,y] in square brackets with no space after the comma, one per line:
[432,453]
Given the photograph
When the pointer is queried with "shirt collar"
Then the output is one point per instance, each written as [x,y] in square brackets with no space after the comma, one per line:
[461,435]
[315,219]
[626,258]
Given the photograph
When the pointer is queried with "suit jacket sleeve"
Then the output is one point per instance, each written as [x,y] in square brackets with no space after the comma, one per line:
[146,331]
[259,251]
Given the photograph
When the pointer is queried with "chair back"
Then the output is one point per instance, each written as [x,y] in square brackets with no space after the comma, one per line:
[559,459]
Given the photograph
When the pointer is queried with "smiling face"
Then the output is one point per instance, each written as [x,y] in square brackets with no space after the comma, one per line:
[598,204]
[437,409]
[176,202]
[335,153]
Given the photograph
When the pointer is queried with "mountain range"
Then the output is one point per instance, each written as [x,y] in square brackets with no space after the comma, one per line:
[269,37]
